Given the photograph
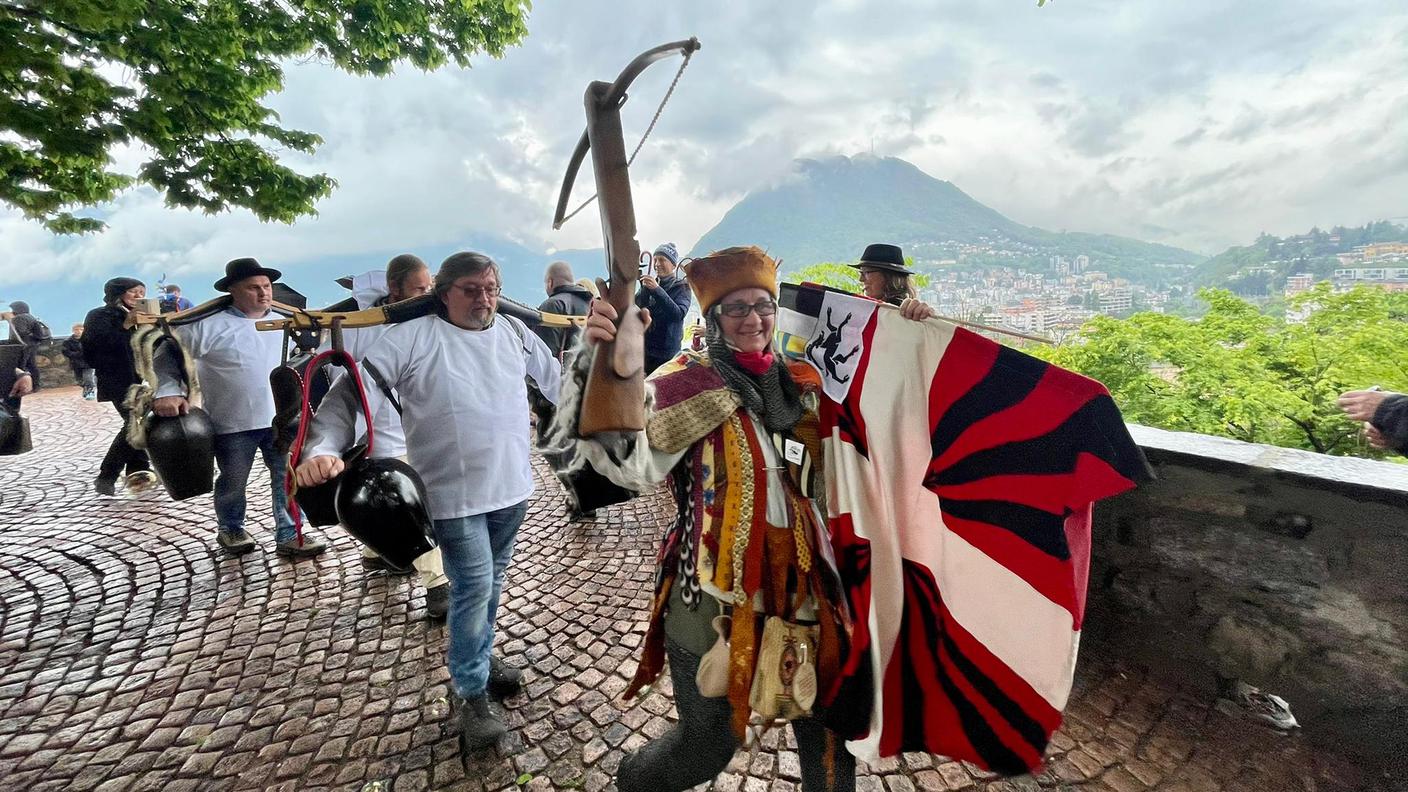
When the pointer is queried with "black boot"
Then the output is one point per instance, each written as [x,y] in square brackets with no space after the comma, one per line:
[480,724]
[437,606]
[504,679]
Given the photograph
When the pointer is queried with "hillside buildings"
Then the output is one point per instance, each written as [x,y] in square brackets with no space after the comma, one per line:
[1051,303]
[1384,265]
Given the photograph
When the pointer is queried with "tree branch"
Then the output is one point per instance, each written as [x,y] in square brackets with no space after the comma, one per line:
[1309,429]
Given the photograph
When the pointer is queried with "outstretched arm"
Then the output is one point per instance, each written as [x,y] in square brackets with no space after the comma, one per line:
[1391,419]
[625,458]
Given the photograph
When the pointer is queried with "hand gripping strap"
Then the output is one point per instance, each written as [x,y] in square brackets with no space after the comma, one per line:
[295,452]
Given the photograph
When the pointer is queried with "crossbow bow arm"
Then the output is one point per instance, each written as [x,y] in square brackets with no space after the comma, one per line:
[617,96]
[614,398]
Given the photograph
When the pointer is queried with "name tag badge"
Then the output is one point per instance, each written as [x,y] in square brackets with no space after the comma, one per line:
[793,451]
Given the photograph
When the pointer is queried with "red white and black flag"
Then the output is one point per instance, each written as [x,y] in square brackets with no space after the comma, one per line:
[960,476]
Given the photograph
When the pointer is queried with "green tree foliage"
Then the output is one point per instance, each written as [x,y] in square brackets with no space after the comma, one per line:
[1238,372]
[186,82]
[843,276]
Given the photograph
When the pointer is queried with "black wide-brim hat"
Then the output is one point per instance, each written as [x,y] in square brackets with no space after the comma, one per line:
[242,268]
[883,257]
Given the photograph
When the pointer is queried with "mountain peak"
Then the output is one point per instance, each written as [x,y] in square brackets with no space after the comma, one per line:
[863,165]
[830,208]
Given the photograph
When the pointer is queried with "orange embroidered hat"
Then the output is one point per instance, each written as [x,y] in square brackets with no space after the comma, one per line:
[723,271]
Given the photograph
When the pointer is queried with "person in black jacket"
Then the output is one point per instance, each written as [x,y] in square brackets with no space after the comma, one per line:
[564,297]
[1384,414]
[82,372]
[26,329]
[15,383]
[107,348]
[666,296]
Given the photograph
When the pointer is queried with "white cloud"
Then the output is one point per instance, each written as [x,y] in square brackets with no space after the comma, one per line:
[1197,123]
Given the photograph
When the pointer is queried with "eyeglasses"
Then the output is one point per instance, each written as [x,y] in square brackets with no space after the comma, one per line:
[740,310]
[475,292]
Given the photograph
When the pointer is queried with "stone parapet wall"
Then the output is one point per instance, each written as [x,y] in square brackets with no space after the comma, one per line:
[54,371]
[1283,568]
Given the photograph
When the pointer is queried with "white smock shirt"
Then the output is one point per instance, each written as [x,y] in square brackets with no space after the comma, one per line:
[389,437]
[465,409]
[233,362]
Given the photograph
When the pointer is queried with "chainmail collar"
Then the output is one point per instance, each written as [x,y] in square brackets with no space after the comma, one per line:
[772,395]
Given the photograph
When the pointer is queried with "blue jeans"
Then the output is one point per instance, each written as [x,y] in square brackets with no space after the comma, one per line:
[234,454]
[476,551]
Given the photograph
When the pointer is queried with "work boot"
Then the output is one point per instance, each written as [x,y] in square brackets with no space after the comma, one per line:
[375,563]
[437,606]
[1244,701]
[235,542]
[295,549]
[504,679]
[140,481]
[480,724]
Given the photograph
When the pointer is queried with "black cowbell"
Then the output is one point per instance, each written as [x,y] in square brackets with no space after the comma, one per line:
[182,449]
[382,503]
[319,503]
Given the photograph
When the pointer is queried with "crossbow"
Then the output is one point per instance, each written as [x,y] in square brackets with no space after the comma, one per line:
[615,392]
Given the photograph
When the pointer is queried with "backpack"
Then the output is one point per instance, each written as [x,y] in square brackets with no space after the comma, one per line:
[38,331]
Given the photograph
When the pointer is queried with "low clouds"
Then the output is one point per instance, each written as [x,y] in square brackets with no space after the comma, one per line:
[1197,124]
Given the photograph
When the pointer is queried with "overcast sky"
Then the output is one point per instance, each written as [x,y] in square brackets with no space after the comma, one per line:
[1197,123]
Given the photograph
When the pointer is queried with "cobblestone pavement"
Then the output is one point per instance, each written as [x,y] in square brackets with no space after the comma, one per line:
[133,656]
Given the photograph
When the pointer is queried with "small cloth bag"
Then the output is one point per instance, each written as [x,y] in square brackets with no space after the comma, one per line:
[712,676]
[785,680]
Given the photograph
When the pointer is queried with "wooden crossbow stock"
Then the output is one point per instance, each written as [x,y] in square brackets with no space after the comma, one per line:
[614,399]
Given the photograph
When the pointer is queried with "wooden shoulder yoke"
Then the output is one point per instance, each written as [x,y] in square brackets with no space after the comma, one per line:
[405,311]
[291,318]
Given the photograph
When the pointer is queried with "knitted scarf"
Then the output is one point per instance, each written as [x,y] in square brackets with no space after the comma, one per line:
[772,395]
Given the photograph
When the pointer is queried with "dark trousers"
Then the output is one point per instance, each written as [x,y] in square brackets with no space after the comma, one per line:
[655,360]
[234,455]
[121,455]
[701,744]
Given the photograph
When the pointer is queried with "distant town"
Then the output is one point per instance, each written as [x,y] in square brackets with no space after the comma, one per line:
[1056,299]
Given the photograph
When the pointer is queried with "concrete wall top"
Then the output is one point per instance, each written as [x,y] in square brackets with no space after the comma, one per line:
[1363,479]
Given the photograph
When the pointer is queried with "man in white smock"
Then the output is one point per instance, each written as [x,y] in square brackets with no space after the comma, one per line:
[460,377]
[406,276]
[233,361]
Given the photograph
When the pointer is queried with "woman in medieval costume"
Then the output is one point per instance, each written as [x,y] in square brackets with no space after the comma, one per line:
[748,606]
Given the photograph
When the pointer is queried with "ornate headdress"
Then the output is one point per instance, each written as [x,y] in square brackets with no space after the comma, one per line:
[715,275]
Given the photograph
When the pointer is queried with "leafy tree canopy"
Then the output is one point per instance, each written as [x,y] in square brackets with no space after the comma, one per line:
[1241,373]
[187,80]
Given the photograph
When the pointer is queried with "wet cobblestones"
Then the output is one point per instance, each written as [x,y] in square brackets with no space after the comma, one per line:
[135,656]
